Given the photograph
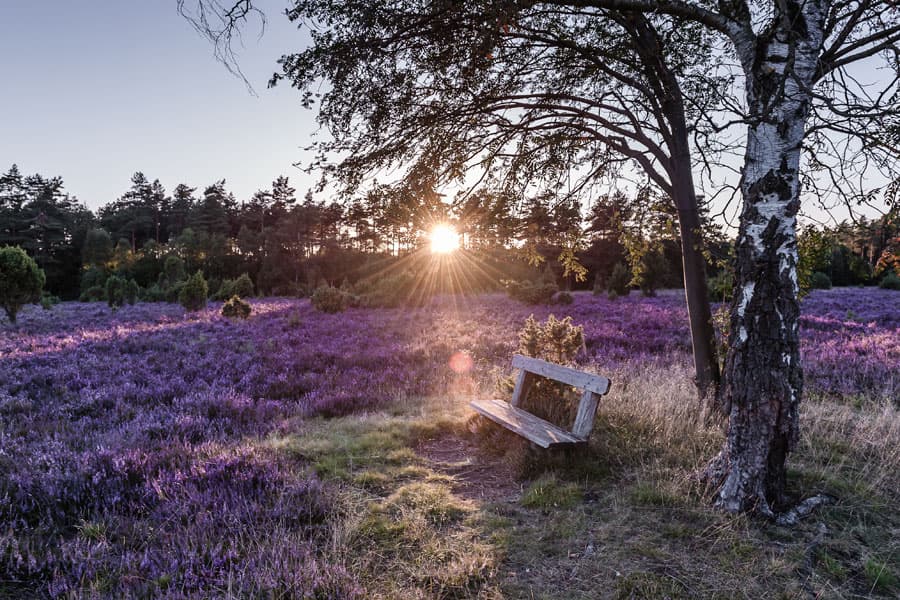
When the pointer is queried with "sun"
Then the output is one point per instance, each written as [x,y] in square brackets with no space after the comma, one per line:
[444,239]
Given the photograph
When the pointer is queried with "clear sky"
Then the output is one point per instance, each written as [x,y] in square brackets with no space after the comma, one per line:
[94,90]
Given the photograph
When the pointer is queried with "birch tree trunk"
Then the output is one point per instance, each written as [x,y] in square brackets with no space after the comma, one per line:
[763,377]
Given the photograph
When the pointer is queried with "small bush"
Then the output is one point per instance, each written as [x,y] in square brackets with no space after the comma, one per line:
[819,281]
[329,299]
[557,341]
[21,280]
[564,298]
[96,293]
[242,286]
[236,308]
[48,301]
[173,271]
[93,277]
[192,295]
[530,292]
[890,282]
[119,291]
[115,291]
[620,280]
[154,293]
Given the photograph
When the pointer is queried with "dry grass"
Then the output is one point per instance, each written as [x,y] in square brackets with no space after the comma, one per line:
[623,518]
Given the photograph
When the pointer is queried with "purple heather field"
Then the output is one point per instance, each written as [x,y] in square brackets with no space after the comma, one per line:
[132,443]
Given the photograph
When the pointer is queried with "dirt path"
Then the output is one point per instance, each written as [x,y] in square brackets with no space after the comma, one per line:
[477,475]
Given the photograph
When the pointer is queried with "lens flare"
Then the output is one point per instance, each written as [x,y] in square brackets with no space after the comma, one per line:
[444,239]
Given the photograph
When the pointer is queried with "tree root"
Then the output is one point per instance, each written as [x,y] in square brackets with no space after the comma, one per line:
[802,510]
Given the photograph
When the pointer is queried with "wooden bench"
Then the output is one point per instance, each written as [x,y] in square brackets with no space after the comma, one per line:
[533,428]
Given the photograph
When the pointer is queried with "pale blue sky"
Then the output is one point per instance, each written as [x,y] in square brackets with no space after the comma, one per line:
[95,90]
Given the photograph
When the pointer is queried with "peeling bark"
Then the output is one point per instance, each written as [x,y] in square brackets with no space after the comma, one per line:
[764,381]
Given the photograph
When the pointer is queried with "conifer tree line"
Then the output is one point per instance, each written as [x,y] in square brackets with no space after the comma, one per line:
[289,245]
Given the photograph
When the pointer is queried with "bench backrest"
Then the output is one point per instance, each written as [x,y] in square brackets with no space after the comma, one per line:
[585,381]
[594,386]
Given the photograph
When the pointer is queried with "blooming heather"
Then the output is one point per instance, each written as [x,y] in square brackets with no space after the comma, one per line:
[133,444]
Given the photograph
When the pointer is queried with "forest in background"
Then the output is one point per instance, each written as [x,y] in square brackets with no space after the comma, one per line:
[289,246]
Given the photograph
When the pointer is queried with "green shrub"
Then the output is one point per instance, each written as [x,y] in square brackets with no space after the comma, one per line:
[530,292]
[93,277]
[21,280]
[236,308]
[890,282]
[93,294]
[154,293]
[819,281]
[115,291]
[329,299]
[619,280]
[173,271]
[564,298]
[119,291]
[557,341]
[48,301]
[720,285]
[242,286]
[192,295]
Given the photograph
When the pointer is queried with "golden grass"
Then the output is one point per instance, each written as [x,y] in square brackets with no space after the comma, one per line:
[623,518]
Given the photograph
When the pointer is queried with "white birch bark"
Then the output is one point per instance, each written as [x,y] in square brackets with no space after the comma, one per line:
[763,376]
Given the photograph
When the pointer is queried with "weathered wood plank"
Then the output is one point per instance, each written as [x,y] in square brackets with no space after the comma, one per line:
[524,381]
[527,425]
[587,410]
[586,381]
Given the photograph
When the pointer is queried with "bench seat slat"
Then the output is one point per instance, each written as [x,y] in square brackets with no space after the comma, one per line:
[579,379]
[527,425]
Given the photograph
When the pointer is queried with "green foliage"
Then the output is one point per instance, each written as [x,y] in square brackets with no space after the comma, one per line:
[21,280]
[720,285]
[241,286]
[95,293]
[557,341]
[878,574]
[93,277]
[120,291]
[890,282]
[236,308]
[192,295]
[98,248]
[530,292]
[619,281]
[554,340]
[173,271]
[819,281]
[548,492]
[153,293]
[814,249]
[329,299]
[648,264]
